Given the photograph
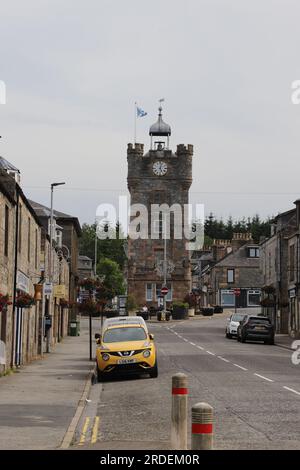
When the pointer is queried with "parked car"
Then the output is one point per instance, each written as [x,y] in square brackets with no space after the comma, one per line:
[256,328]
[232,324]
[125,347]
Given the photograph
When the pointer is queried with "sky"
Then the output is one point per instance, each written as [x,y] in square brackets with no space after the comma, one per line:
[74,69]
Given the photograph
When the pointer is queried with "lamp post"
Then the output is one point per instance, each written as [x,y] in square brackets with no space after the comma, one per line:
[53,185]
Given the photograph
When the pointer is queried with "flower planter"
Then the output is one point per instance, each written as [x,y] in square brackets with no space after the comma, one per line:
[207,311]
[179,313]
[191,312]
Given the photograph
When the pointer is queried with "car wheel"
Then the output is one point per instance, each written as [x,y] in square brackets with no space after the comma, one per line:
[270,341]
[243,339]
[154,371]
[228,335]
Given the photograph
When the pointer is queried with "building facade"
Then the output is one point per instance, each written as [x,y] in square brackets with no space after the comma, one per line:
[158,177]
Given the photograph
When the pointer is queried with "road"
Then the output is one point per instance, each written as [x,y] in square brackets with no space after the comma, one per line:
[254,389]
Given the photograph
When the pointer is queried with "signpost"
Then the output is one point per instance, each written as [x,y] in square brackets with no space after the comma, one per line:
[164,290]
[236,292]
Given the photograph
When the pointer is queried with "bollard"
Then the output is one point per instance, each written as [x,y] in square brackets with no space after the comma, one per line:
[179,412]
[202,427]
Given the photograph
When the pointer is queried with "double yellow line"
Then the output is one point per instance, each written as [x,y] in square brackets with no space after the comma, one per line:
[94,431]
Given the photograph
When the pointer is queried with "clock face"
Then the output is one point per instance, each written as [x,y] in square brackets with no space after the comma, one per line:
[160,168]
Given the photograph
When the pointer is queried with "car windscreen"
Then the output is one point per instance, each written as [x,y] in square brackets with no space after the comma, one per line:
[116,335]
[237,317]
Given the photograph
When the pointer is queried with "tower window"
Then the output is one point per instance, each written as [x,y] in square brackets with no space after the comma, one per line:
[149,292]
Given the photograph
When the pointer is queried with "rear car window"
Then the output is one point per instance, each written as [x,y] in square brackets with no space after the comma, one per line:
[262,321]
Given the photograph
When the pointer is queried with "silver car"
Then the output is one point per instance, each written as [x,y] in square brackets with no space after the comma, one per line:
[232,324]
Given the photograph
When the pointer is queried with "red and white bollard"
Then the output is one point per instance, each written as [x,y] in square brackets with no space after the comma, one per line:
[202,427]
[179,412]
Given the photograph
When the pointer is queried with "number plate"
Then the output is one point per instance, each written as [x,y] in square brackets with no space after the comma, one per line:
[259,328]
[126,361]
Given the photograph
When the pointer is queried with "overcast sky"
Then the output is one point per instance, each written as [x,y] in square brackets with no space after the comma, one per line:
[73,70]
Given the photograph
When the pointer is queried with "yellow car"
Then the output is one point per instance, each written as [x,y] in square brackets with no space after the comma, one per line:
[125,346]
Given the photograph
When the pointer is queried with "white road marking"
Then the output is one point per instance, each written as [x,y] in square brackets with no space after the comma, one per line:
[292,390]
[240,367]
[263,377]
[193,344]
[211,353]
[184,339]
[200,347]
[223,359]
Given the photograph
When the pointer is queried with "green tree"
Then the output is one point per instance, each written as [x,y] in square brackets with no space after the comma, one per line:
[113,280]
[109,248]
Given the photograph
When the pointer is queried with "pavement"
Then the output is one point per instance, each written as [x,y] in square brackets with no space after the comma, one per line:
[254,389]
[39,401]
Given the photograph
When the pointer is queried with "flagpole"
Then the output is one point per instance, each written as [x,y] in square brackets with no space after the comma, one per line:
[135,122]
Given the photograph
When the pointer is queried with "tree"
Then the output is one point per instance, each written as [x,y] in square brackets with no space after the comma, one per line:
[109,248]
[113,280]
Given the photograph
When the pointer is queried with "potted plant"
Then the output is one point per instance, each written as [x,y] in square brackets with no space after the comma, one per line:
[267,302]
[24,300]
[191,300]
[90,307]
[180,310]
[4,302]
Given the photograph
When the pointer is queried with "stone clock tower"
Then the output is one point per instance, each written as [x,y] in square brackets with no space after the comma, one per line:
[158,177]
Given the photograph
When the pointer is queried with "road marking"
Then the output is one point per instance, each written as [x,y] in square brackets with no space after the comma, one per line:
[263,377]
[95,430]
[292,390]
[200,347]
[240,367]
[84,431]
[223,359]
[193,344]
[184,339]
[211,353]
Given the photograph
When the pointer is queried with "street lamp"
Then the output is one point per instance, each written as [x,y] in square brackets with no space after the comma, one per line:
[53,185]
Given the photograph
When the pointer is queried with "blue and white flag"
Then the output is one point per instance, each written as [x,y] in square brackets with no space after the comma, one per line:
[140,112]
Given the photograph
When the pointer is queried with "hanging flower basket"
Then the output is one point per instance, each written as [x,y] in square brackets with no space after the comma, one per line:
[4,302]
[267,303]
[89,283]
[90,307]
[64,303]
[24,300]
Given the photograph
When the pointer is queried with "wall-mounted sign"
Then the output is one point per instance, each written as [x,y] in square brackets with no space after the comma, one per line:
[292,293]
[60,291]
[48,287]
[22,281]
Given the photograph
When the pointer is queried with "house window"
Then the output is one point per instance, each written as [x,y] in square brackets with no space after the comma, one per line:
[253,297]
[253,252]
[149,292]
[227,298]
[292,263]
[230,276]
[6,230]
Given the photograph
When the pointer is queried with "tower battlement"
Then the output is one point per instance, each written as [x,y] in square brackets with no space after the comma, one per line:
[185,149]
[135,149]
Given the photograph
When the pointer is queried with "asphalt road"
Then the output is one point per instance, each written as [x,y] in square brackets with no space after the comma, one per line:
[254,389]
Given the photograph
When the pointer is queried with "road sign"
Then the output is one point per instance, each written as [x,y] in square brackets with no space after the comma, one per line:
[48,287]
[237,291]
[164,290]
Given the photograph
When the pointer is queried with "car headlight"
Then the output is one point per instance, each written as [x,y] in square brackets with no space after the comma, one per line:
[146,353]
[105,356]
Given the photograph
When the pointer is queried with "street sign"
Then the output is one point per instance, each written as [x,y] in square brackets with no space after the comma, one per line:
[48,288]
[164,290]
[237,291]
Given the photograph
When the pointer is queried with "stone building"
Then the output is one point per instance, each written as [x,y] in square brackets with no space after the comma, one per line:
[280,266]
[85,267]
[20,268]
[68,231]
[234,265]
[159,176]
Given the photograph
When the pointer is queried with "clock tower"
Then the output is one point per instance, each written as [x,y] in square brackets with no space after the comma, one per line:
[159,177]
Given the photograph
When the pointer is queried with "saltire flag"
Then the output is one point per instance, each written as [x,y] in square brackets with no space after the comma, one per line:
[140,112]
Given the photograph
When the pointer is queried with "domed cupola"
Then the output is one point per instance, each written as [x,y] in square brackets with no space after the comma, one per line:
[160,129]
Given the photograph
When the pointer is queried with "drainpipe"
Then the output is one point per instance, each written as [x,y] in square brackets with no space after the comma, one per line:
[14,340]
